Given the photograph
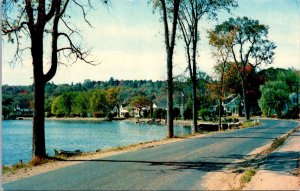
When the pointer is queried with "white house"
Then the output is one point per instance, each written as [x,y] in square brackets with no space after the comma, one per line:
[123,111]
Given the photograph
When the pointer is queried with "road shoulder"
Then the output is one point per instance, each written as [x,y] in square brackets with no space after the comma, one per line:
[281,169]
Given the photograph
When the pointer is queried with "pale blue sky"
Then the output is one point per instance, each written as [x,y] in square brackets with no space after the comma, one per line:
[128,40]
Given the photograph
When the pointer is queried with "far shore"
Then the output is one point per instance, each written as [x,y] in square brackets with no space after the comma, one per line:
[131,119]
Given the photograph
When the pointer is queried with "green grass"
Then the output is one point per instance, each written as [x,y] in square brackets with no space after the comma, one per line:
[247,175]
[249,124]
[277,143]
[20,165]
[12,169]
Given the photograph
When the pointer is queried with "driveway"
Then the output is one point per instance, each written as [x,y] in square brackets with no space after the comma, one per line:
[175,166]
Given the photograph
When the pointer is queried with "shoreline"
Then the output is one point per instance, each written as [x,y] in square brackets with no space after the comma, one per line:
[57,164]
[131,119]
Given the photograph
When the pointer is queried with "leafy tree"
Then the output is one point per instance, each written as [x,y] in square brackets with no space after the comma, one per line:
[38,20]
[48,103]
[81,104]
[205,114]
[7,106]
[169,10]
[291,78]
[250,46]
[191,12]
[270,74]
[139,102]
[113,98]
[63,104]
[222,44]
[275,94]
[99,103]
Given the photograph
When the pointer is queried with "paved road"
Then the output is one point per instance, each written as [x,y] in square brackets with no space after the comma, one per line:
[176,166]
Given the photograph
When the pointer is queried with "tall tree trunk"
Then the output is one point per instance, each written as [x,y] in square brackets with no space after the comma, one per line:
[170,43]
[38,134]
[194,70]
[220,114]
[170,122]
[246,109]
[221,94]
[195,111]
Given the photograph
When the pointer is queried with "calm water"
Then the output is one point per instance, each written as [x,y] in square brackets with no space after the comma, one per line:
[87,136]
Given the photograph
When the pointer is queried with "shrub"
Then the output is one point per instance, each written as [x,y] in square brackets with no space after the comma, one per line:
[38,161]
[159,113]
[292,114]
[98,114]
[205,114]
[188,113]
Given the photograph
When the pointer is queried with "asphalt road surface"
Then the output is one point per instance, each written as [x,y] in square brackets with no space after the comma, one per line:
[175,166]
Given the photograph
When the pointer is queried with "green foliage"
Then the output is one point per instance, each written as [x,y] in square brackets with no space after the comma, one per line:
[205,114]
[251,34]
[250,48]
[112,97]
[140,101]
[62,105]
[81,104]
[7,107]
[291,78]
[275,95]
[248,124]
[99,103]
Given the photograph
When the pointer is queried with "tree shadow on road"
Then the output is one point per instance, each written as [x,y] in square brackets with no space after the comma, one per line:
[205,165]
[283,162]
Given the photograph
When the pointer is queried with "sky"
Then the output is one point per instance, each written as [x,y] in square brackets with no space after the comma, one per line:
[127,40]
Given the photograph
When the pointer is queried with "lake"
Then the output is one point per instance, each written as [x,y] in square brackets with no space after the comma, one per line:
[87,136]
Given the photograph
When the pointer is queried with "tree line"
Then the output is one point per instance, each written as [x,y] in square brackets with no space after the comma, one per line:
[267,89]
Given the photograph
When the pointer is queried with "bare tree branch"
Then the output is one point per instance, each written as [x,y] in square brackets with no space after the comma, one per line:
[83,12]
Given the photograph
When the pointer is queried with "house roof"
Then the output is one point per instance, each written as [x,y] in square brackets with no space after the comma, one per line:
[231,100]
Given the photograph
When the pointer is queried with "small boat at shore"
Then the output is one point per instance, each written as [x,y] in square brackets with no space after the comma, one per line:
[67,153]
[151,121]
